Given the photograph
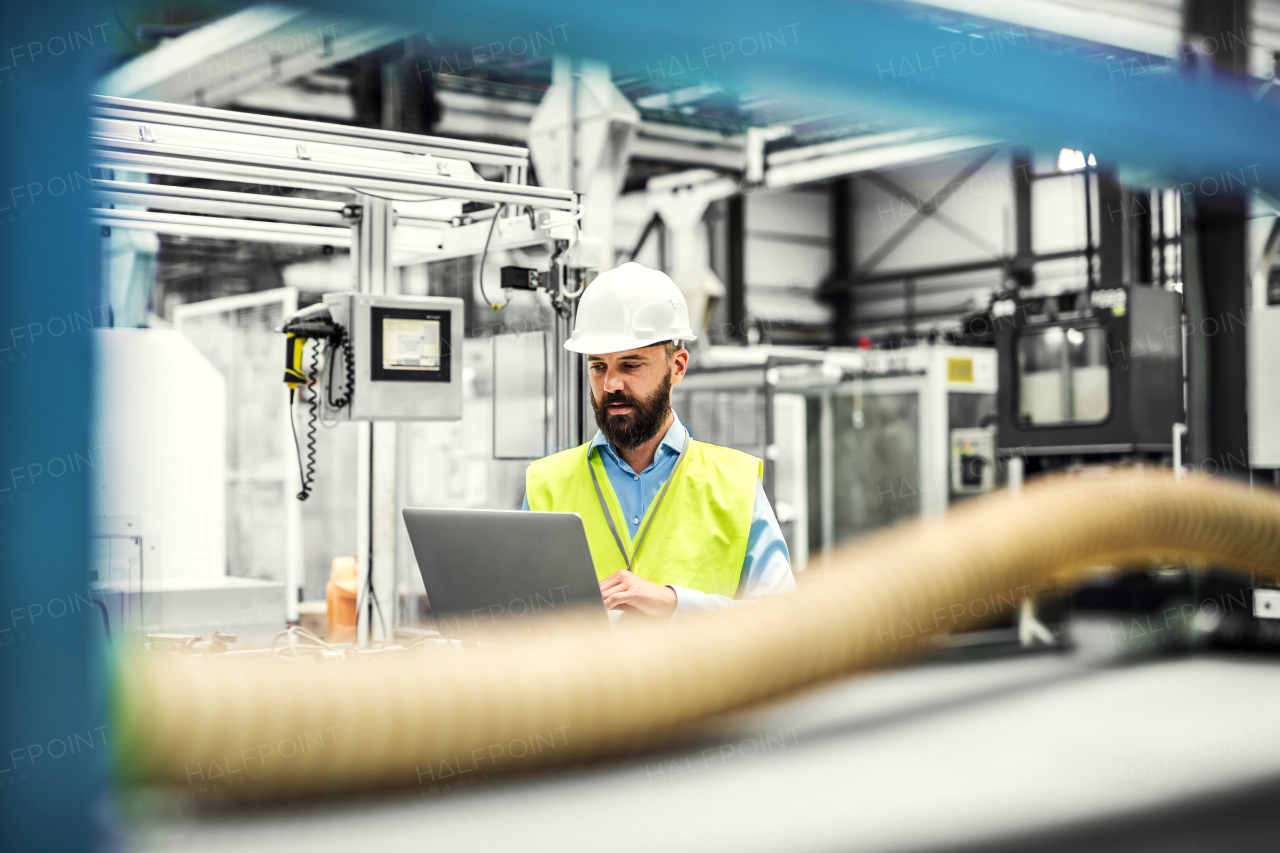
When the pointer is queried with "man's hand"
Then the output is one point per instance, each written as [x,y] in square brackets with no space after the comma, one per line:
[623,590]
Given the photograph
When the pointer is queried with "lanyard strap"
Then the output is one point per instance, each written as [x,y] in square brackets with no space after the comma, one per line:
[653,509]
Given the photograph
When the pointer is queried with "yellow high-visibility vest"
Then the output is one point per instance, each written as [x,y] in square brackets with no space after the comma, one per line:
[697,537]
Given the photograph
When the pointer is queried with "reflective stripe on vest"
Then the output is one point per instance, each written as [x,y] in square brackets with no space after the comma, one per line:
[697,537]
[629,554]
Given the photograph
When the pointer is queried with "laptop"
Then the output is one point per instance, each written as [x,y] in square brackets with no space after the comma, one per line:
[486,569]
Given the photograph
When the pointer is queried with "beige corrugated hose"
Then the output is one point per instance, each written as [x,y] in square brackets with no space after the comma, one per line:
[275,728]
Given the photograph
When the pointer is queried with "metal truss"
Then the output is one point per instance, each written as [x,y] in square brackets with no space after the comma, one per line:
[425,181]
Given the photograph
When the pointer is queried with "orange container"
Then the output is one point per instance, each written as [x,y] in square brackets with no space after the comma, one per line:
[341,595]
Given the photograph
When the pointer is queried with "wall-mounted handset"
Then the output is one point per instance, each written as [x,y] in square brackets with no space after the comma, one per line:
[313,323]
[401,360]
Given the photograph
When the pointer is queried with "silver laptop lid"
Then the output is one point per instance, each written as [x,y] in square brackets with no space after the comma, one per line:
[491,568]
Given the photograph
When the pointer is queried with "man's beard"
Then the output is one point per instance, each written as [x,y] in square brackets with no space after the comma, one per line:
[637,426]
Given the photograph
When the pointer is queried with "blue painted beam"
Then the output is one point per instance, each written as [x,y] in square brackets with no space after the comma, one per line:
[53,743]
[844,55]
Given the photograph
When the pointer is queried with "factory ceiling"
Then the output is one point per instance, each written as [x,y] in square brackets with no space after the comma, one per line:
[709,104]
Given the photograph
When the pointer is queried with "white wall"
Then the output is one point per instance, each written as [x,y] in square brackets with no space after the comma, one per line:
[160,420]
[976,224]
[976,221]
[788,240]
[1264,349]
[788,254]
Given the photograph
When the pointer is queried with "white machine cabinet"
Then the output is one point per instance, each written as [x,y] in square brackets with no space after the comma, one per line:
[882,428]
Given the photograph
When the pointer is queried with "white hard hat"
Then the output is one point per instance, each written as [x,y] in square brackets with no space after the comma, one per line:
[629,307]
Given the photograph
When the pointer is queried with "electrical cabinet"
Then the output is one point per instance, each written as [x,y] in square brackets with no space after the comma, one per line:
[398,360]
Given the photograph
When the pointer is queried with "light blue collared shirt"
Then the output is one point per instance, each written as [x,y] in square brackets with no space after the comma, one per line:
[766,568]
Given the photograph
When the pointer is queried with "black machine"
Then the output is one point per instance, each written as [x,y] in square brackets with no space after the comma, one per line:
[1095,373]
[1086,377]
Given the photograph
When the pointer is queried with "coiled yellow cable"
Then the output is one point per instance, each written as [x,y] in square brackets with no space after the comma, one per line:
[270,728]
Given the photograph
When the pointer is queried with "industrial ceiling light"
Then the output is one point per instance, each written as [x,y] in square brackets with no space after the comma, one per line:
[1070,160]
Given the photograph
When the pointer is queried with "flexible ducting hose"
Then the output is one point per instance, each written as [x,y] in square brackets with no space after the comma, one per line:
[274,728]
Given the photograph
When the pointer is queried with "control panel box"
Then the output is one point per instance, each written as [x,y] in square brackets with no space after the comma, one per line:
[400,358]
[973,460]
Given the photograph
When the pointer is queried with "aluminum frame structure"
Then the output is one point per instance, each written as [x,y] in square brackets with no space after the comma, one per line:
[426,178]
[399,201]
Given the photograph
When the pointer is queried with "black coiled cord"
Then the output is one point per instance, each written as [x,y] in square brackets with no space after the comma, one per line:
[340,339]
[307,472]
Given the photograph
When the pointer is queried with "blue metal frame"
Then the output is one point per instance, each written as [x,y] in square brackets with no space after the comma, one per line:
[1159,125]
[841,56]
[51,679]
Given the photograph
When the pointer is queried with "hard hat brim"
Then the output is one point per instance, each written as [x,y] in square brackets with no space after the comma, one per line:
[605,344]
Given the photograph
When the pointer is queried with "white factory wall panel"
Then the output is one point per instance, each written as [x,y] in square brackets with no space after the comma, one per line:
[329,515]
[787,250]
[958,288]
[1064,274]
[630,214]
[787,254]
[650,255]
[1057,214]
[782,265]
[981,207]
[800,212]
[160,434]
[236,334]
[1264,397]
[1264,349]
[957,295]
[785,306]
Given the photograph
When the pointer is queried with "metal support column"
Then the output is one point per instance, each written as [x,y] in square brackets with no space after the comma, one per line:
[1022,266]
[841,280]
[736,286]
[1143,242]
[827,474]
[1216,309]
[1089,246]
[1115,211]
[376,452]
[570,397]
[372,244]
[1161,246]
[1216,275]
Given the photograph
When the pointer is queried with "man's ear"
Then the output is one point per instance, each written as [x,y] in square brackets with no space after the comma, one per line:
[680,363]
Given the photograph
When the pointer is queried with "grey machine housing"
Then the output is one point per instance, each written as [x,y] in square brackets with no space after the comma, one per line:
[1144,357]
[398,393]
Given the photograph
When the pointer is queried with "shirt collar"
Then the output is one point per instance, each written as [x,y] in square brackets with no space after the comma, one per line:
[673,441]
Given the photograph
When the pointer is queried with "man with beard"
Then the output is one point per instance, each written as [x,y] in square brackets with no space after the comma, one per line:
[673,524]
